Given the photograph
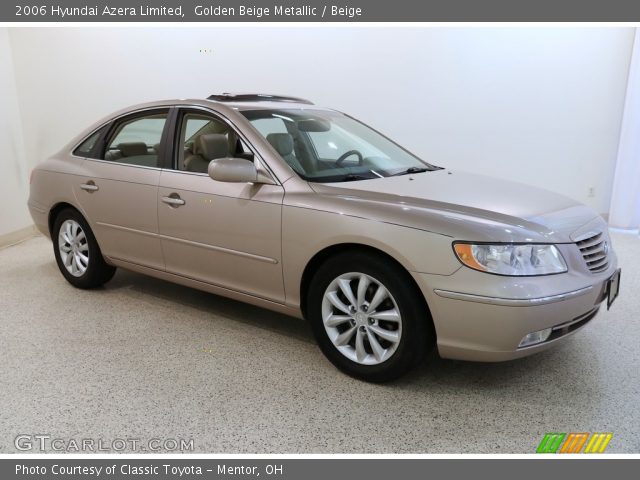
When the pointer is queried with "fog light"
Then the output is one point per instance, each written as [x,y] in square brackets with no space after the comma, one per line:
[535,337]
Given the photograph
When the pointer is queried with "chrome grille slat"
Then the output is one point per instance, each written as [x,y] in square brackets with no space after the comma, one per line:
[589,242]
[597,263]
[595,256]
[594,253]
[592,248]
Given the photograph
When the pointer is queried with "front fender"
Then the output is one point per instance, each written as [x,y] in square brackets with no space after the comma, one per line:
[305,232]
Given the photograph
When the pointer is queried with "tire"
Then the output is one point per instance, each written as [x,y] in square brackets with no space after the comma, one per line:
[400,324]
[77,253]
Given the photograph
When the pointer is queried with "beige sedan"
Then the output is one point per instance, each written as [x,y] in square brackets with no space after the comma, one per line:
[304,210]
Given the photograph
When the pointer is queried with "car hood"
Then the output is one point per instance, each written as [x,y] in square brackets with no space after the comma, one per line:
[464,205]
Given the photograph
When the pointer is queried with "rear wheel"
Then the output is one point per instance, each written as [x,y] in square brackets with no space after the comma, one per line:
[77,253]
[368,317]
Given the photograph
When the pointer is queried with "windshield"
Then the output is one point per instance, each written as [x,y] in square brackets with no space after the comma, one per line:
[326,146]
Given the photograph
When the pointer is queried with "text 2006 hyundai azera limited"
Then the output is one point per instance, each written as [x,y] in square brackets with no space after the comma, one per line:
[276,202]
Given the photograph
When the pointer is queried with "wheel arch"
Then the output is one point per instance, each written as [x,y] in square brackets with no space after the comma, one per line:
[55,211]
[323,255]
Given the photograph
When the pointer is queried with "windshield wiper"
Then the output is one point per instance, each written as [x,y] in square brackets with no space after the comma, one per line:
[412,170]
[352,176]
[417,170]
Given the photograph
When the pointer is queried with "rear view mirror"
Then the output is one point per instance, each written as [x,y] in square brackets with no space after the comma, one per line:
[314,125]
[237,170]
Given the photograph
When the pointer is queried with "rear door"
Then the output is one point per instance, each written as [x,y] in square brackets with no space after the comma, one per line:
[118,191]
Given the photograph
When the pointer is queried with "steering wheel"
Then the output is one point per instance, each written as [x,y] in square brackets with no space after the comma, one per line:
[346,155]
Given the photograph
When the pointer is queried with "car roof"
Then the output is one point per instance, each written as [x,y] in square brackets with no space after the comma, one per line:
[256,101]
[270,106]
[231,102]
[244,101]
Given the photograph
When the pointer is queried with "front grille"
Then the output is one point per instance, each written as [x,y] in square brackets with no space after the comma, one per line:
[595,251]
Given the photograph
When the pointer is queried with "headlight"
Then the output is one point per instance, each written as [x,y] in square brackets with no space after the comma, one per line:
[512,260]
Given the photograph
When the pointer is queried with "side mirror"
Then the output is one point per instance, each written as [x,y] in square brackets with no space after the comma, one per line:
[237,170]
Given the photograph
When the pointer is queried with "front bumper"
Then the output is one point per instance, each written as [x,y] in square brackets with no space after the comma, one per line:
[483,317]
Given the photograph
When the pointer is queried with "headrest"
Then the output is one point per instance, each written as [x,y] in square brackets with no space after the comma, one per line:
[282,142]
[133,149]
[213,145]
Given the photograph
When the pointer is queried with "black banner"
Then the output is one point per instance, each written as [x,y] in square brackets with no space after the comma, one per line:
[320,11]
[320,469]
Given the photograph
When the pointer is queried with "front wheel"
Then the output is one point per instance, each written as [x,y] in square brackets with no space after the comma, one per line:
[77,253]
[367,316]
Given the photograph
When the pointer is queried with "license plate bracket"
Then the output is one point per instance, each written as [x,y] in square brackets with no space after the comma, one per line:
[613,288]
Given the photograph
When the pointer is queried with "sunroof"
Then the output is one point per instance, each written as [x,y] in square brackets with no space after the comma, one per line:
[255,97]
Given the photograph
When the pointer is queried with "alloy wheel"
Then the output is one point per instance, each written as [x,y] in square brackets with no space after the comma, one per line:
[73,247]
[361,318]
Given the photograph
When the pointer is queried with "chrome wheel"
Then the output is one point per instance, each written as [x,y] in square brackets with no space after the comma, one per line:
[73,247]
[361,318]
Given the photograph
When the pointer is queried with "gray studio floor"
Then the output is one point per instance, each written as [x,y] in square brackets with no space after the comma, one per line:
[145,359]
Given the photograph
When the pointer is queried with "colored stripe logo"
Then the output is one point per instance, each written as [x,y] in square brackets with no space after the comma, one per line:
[574,443]
[598,442]
[550,443]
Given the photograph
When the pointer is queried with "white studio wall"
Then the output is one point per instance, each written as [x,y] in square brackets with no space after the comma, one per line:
[538,105]
[14,179]
[625,199]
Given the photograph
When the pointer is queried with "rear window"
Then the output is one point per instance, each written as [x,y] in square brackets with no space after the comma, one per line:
[136,140]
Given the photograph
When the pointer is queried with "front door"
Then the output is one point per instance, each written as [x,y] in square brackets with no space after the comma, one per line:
[225,234]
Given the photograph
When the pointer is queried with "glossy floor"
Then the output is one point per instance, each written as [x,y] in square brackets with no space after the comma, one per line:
[147,359]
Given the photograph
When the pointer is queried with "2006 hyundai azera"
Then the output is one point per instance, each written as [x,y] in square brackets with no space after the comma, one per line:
[276,202]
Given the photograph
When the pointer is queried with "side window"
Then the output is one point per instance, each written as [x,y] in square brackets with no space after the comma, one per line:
[85,149]
[137,141]
[204,138]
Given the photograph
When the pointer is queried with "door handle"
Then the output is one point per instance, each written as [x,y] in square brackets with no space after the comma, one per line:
[174,200]
[90,186]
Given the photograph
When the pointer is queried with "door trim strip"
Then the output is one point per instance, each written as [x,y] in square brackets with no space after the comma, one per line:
[229,251]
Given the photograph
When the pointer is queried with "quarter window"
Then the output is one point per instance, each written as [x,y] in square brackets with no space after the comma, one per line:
[86,148]
[137,141]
